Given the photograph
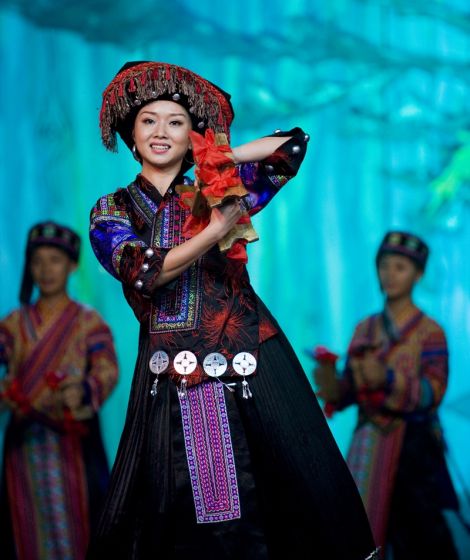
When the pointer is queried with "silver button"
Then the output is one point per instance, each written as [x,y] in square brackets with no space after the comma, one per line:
[176,97]
[215,364]
[307,137]
[149,253]
[277,131]
[244,363]
[159,362]
[296,149]
[144,267]
[185,362]
[138,285]
[269,168]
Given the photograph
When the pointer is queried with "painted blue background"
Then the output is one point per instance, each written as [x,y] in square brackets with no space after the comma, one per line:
[383,87]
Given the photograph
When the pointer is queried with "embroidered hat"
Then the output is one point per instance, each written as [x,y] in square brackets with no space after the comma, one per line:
[407,244]
[139,83]
[47,234]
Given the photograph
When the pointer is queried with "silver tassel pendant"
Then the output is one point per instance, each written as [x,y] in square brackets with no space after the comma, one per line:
[246,390]
[154,390]
[182,391]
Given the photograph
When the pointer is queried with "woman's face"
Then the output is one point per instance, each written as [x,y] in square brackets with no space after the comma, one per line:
[161,135]
[50,268]
[397,276]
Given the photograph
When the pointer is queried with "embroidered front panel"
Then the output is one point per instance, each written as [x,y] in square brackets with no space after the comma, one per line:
[45,469]
[210,454]
[179,306]
[168,226]
[143,203]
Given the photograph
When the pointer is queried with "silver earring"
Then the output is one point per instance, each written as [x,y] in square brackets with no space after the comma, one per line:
[136,154]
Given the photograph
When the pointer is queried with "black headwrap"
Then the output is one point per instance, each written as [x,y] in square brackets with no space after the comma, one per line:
[47,234]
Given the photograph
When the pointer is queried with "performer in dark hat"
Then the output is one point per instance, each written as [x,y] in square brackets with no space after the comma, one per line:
[225,452]
[48,234]
[406,244]
[61,366]
[396,372]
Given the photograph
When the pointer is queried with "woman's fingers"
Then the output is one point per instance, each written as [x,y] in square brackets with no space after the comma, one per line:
[231,212]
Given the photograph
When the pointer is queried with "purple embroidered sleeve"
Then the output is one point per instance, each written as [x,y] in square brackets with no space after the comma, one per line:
[264,179]
[117,247]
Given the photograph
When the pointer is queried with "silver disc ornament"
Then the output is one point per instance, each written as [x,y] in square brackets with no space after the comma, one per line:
[159,362]
[215,364]
[244,364]
[185,362]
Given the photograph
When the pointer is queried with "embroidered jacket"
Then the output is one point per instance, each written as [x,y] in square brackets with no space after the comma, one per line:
[416,359]
[78,346]
[211,307]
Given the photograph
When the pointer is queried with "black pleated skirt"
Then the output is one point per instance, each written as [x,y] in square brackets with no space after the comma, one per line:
[297,497]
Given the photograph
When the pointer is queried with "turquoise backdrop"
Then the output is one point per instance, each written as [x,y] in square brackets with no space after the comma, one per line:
[382,86]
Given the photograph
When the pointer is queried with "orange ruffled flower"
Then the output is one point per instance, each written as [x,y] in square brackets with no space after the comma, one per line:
[207,153]
[238,251]
[216,171]
[217,180]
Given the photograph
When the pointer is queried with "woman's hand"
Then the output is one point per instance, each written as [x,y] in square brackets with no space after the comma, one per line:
[326,380]
[223,218]
[369,371]
[181,257]
[72,395]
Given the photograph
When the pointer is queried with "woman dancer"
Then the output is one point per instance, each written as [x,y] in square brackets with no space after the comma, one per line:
[225,452]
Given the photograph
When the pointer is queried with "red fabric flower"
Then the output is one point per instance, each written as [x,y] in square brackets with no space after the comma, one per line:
[215,171]
[206,152]
[324,356]
[238,251]
[54,379]
[14,393]
[216,175]
[217,181]
[329,409]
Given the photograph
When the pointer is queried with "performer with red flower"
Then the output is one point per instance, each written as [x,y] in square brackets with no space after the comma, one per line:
[225,452]
[396,372]
[60,367]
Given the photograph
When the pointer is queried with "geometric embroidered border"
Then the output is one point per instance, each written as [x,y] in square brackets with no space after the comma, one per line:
[180,308]
[209,452]
[54,531]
